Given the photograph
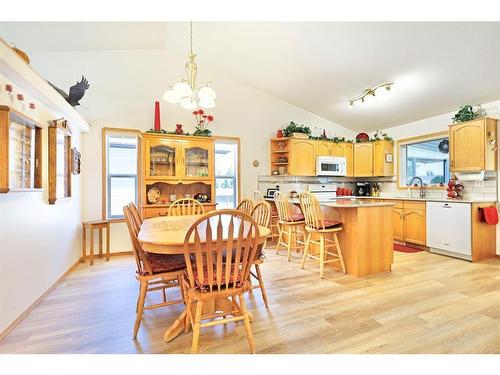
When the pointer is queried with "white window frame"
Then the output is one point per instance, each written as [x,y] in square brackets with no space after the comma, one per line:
[106,177]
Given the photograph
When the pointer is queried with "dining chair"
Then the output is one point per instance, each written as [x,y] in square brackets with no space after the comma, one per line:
[135,213]
[154,272]
[290,225]
[245,206]
[257,196]
[262,216]
[218,264]
[318,226]
[186,206]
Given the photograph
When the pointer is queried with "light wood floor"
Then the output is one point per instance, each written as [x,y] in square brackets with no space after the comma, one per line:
[428,304]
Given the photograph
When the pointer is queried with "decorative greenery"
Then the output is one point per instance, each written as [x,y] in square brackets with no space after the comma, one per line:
[203,132]
[295,128]
[163,131]
[468,113]
[334,139]
[379,135]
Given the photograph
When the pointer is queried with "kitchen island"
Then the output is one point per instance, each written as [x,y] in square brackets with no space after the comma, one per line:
[366,238]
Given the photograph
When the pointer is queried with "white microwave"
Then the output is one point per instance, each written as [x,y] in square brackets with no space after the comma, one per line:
[330,166]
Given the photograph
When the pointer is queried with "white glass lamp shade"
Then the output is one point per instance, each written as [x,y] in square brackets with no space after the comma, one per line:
[188,103]
[182,89]
[207,93]
[171,97]
[207,103]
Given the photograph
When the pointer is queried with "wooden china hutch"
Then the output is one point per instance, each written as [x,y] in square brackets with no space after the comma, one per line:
[173,167]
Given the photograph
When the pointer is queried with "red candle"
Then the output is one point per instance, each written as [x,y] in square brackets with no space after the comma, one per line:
[157,117]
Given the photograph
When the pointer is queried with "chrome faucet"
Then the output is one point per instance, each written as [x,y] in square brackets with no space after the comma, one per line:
[423,193]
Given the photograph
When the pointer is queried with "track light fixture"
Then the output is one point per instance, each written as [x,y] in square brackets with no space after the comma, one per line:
[369,93]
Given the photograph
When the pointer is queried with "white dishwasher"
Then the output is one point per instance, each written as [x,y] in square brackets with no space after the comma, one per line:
[449,229]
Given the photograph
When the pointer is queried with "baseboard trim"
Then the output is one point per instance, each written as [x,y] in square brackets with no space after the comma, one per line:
[30,308]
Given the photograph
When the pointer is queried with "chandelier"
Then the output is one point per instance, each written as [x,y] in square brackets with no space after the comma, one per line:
[369,93]
[186,92]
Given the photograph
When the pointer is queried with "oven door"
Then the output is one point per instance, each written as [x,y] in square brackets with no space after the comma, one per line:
[327,166]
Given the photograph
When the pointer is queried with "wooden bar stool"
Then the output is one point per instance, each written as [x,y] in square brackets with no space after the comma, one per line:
[317,226]
[290,225]
[96,224]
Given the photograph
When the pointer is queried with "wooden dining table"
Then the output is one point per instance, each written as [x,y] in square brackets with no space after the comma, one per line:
[166,234]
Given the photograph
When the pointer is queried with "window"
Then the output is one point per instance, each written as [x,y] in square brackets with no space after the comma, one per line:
[121,171]
[226,172]
[427,159]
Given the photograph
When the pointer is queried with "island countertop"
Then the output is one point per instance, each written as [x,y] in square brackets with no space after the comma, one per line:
[348,203]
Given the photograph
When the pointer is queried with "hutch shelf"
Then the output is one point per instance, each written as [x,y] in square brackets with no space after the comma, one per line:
[173,167]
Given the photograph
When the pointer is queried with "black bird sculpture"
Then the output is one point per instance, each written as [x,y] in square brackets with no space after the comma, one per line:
[76,92]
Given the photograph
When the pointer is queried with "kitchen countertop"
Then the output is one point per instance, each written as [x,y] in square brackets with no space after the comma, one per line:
[433,199]
[347,203]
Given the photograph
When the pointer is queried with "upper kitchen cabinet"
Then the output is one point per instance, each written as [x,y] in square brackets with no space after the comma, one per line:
[363,159]
[322,148]
[197,159]
[473,145]
[349,155]
[302,157]
[373,159]
[383,164]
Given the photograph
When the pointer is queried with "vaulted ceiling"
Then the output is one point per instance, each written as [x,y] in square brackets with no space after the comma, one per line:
[435,66]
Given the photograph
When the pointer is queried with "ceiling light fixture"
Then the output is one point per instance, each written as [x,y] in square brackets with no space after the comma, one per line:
[369,93]
[186,92]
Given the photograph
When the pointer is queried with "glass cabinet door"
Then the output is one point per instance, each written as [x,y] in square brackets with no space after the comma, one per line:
[197,160]
[21,158]
[162,159]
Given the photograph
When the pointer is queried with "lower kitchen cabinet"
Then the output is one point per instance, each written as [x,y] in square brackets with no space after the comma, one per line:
[409,222]
[414,222]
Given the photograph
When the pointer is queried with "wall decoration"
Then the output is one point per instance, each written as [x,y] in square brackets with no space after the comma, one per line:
[75,161]
[255,163]
[388,158]
[76,92]
[59,160]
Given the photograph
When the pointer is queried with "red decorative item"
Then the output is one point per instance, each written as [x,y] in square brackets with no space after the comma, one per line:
[157,127]
[32,106]
[362,137]
[279,133]
[20,97]
[178,129]
[455,188]
[9,88]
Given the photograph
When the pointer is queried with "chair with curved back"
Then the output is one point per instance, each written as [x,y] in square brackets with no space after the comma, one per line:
[135,213]
[318,226]
[186,206]
[289,225]
[154,271]
[218,264]
[262,215]
[245,206]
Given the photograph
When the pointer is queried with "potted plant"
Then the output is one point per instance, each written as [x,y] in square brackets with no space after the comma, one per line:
[202,122]
[297,131]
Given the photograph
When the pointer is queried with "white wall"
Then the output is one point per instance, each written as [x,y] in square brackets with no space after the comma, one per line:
[121,95]
[440,123]
[38,242]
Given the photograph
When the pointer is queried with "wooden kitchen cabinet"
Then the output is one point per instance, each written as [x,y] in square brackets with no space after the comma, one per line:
[302,159]
[473,145]
[398,221]
[322,148]
[349,155]
[363,159]
[414,222]
[383,164]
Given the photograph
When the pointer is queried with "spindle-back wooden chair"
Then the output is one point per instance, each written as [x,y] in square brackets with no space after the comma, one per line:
[186,206]
[318,230]
[290,225]
[218,265]
[245,206]
[154,272]
[262,216]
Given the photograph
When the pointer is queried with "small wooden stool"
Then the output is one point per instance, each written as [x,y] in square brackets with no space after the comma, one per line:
[96,224]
